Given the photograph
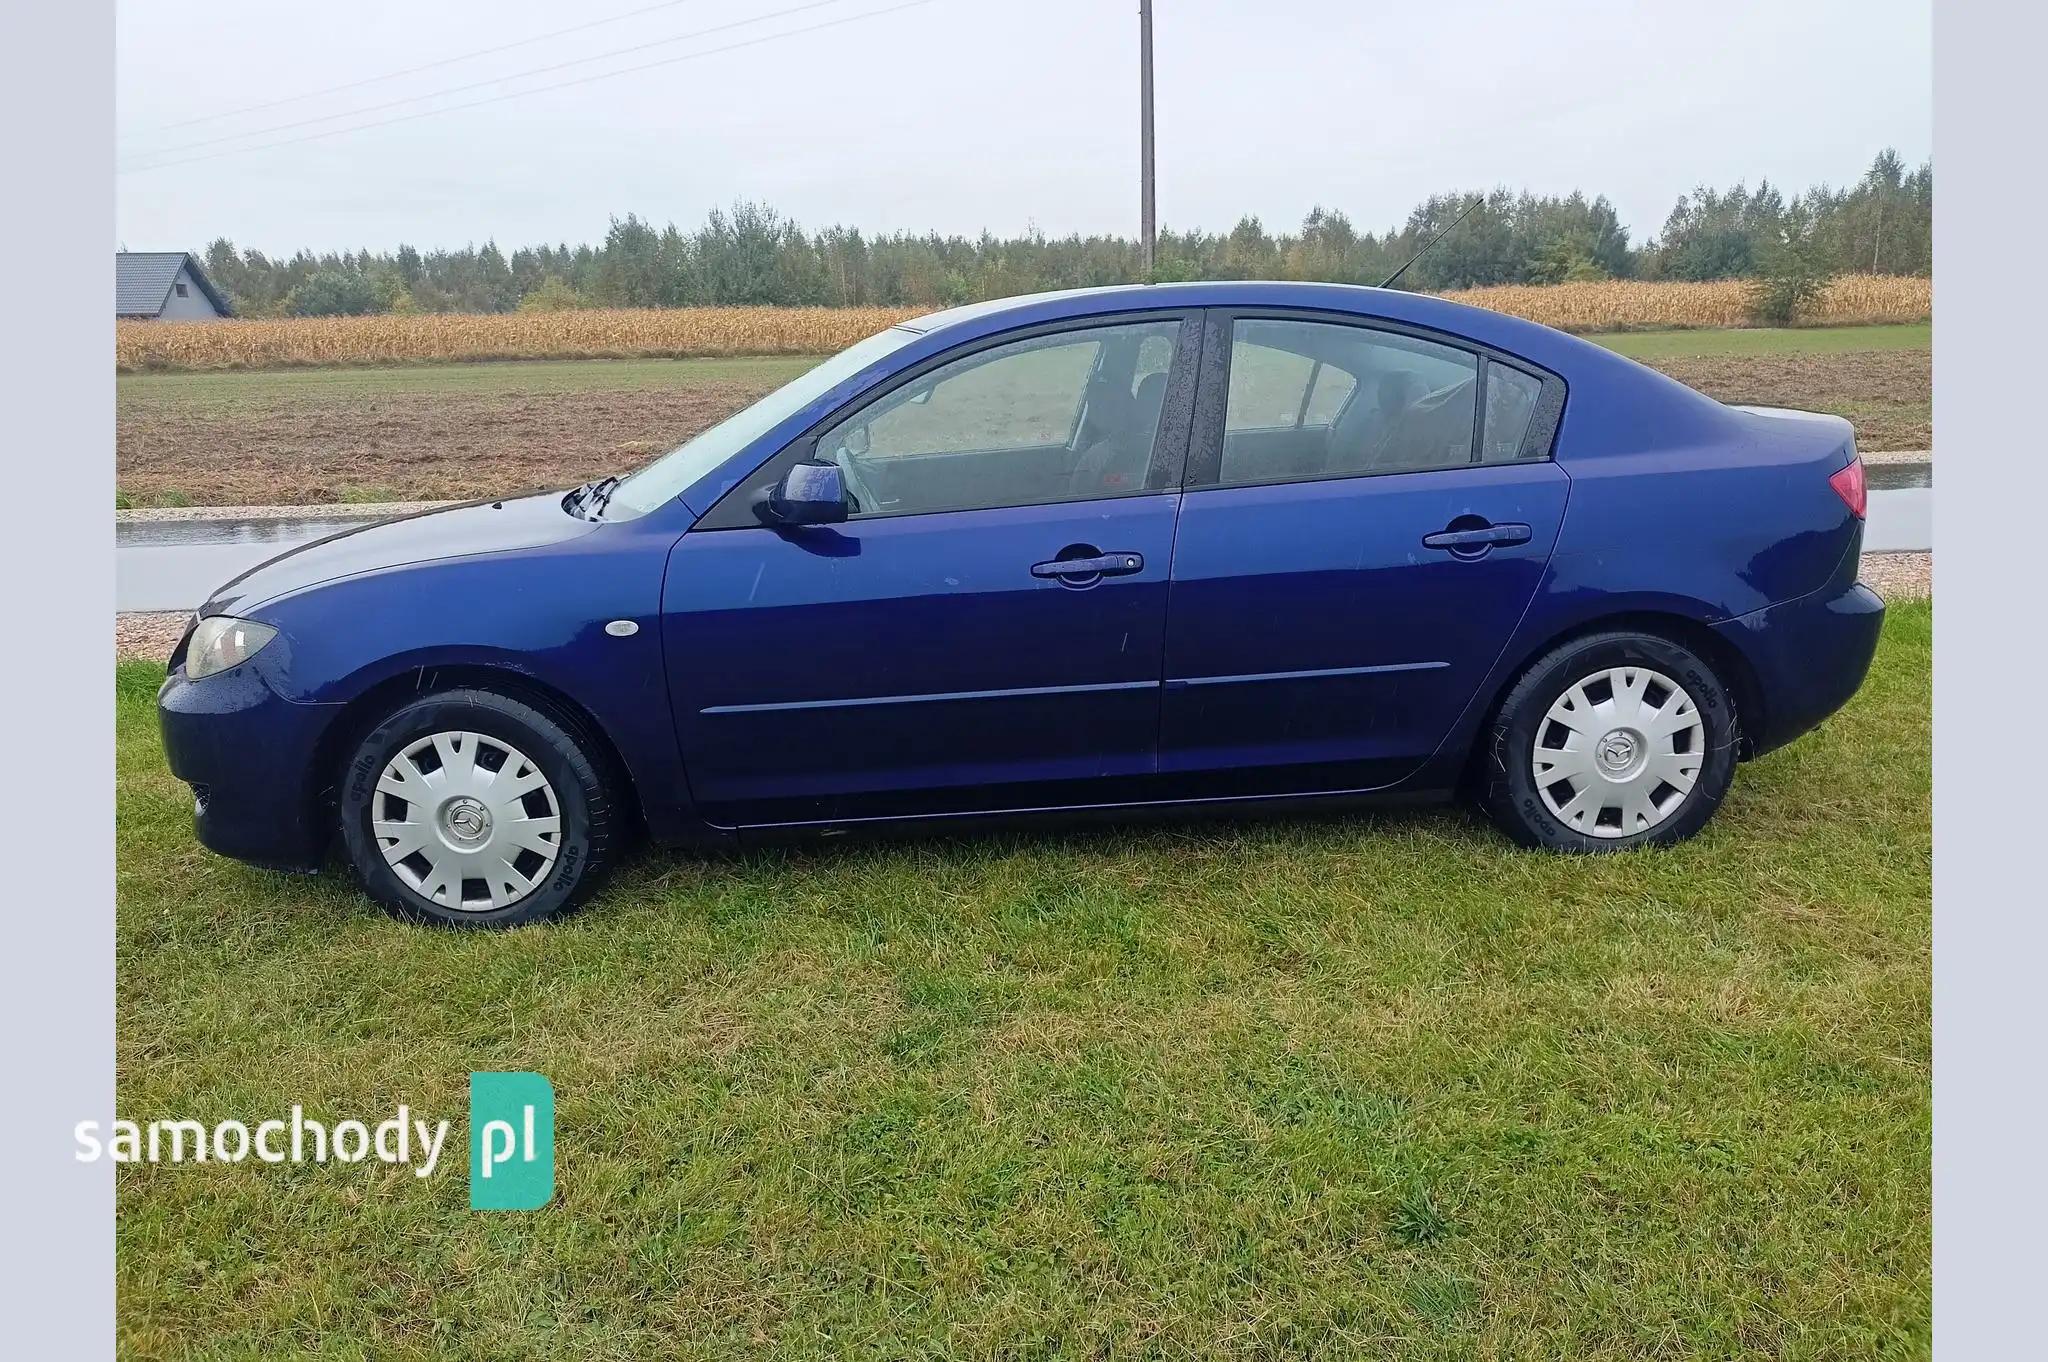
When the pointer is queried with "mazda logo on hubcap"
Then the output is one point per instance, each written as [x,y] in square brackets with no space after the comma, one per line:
[468,820]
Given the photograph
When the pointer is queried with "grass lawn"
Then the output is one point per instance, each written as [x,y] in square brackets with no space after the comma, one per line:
[1804,340]
[1336,1087]
[228,389]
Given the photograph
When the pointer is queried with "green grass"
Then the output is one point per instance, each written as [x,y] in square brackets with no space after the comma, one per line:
[1804,340]
[1333,1087]
[481,379]
[582,375]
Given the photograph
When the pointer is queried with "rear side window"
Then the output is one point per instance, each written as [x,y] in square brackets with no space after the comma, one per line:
[1324,400]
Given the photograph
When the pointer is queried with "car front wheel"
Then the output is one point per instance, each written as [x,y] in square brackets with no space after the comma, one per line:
[471,808]
[1611,741]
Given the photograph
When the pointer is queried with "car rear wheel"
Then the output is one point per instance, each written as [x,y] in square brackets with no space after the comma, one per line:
[1611,741]
[475,809]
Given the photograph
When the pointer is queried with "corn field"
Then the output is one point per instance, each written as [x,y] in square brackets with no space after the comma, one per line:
[582,333]
[1630,305]
[592,333]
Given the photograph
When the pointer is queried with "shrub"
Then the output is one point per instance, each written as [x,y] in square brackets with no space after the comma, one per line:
[1791,283]
[553,295]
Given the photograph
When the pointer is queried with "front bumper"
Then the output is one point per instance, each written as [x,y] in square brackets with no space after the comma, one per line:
[248,755]
[1809,656]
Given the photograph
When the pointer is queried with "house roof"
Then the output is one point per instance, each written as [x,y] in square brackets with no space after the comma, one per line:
[143,279]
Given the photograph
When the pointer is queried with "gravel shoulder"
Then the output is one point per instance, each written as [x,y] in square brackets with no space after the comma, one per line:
[148,634]
[327,510]
[1899,576]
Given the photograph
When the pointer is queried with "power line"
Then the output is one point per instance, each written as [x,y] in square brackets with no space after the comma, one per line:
[423,66]
[480,84]
[538,89]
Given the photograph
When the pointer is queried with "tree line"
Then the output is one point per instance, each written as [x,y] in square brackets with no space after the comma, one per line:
[1883,224]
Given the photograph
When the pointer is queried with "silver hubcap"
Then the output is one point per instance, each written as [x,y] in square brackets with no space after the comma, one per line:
[1619,752]
[467,821]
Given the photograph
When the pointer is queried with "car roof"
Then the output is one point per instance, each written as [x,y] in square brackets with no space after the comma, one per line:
[1539,344]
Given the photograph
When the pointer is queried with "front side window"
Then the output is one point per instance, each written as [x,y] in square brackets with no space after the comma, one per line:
[665,478]
[1323,400]
[1061,417]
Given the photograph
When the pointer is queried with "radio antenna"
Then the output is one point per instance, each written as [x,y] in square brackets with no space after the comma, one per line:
[1389,280]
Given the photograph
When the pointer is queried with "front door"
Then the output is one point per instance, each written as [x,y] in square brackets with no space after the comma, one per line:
[1367,516]
[985,630]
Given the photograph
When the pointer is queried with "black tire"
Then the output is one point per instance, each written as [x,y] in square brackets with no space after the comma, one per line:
[592,828]
[1506,775]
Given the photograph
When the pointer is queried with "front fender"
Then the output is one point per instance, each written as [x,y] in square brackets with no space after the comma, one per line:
[538,614]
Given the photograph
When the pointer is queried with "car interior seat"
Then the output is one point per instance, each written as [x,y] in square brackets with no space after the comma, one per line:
[1371,423]
[1121,455]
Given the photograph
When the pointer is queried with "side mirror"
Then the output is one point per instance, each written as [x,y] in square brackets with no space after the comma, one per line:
[810,493]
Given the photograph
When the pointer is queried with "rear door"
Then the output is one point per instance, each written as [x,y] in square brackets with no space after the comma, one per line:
[985,631]
[1367,514]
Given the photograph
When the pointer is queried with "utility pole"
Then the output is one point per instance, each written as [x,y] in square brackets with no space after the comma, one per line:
[1148,226]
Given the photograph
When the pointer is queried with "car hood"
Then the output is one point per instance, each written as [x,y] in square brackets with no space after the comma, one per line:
[451,532]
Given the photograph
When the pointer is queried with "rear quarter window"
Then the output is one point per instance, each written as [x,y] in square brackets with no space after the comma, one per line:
[1510,406]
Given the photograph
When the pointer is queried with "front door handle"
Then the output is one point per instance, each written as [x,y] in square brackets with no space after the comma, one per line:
[1481,538]
[1102,565]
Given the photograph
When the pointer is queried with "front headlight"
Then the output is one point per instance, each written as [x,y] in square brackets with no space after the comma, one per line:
[222,641]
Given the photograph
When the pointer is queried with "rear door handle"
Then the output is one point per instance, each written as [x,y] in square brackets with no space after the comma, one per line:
[1483,537]
[1106,565]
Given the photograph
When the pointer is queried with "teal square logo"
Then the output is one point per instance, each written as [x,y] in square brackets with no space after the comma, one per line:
[511,1142]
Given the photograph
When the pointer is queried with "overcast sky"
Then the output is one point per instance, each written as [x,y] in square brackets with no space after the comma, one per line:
[959,115]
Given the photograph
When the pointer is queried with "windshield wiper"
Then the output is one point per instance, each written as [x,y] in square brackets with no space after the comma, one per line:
[588,500]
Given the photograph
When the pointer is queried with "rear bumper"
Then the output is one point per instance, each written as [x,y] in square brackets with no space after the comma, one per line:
[247,753]
[1809,656]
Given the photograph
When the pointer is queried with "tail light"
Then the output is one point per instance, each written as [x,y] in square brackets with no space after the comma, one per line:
[1850,486]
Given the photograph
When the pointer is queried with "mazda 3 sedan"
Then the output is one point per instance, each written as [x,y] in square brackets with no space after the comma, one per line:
[1197,546]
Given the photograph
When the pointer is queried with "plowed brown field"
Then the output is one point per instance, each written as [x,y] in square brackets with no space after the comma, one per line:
[494,429]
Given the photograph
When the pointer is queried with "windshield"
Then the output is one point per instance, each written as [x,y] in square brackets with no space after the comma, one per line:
[665,478]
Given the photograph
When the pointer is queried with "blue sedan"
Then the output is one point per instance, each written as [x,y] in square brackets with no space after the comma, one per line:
[1199,546]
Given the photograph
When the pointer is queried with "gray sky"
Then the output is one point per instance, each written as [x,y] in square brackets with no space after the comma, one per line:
[962,114]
